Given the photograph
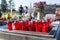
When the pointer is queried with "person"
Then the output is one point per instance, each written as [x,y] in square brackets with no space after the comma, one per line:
[26,9]
[20,10]
[34,12]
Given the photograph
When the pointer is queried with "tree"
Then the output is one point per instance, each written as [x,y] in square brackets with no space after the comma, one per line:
[40,6]
[4,5]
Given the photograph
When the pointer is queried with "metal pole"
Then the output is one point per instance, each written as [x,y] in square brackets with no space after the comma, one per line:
[11,9]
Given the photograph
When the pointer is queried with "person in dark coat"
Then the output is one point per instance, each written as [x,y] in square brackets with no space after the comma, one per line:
[20,10]
[26,9]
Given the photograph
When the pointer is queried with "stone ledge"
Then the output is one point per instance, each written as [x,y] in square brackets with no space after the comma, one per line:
[30,33]
[13,36]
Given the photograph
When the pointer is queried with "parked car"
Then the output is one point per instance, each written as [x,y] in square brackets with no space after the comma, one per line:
[3,21]
[54,26]
[55,22]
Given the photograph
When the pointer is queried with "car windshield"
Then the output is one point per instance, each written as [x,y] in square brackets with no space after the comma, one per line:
[57,20]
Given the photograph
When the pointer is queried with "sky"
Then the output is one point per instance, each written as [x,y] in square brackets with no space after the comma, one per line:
[28,2]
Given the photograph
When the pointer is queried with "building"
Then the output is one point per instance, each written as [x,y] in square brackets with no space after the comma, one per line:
[49,9]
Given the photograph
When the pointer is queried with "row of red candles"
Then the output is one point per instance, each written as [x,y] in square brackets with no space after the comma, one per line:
[38,26]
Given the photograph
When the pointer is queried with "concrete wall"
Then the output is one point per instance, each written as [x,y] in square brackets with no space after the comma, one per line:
[18,36]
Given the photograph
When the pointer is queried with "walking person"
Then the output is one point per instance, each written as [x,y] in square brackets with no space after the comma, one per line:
[26,9]
[34,12]
[20,10]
